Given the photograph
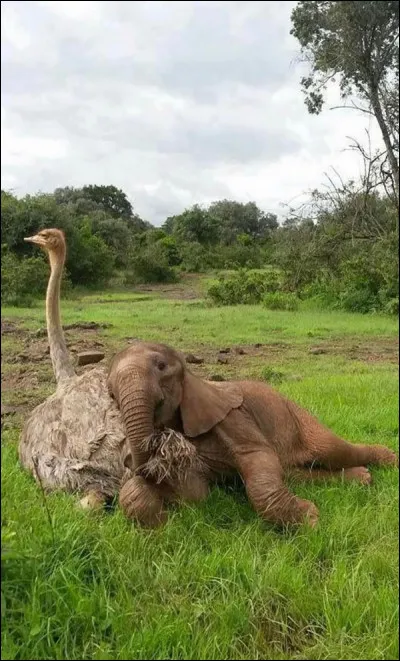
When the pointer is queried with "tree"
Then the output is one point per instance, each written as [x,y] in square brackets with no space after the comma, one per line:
[89,260]
[171,250]
[25,216]
[356,41]
[136,224]
[111,199]
[100,202]
[268,223]
[194,224]
[116,235]
[168,225]
[235,218]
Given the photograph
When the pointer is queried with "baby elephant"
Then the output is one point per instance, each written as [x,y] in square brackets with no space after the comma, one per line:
[239,426]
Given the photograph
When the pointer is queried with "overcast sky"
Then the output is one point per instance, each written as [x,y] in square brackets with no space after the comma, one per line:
[174,102]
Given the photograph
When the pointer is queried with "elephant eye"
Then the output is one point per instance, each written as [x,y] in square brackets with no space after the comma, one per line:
[161,365]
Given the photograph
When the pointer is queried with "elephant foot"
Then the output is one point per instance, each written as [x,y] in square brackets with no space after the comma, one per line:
[142,501]
[358,474]
[383,456]
[309,513]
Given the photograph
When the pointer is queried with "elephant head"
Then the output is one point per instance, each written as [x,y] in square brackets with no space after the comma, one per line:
[154,388]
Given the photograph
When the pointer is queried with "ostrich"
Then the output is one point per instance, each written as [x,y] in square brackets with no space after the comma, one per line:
[74,440]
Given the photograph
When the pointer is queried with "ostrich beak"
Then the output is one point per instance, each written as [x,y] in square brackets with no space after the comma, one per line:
[39,240]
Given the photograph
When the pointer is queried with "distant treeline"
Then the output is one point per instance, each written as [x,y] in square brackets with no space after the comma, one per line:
[343,254]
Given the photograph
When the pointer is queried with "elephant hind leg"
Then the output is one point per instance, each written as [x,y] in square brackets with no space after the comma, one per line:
[334,453]
[357,474]
[263,477]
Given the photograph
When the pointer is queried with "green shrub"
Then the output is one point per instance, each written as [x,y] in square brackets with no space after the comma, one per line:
[392,306]
[369,280]
[324,291]
[239,255]
[272,376]
[171,250]
[90,261]
[150,266]
[243,287]
[364,282]
[359,300]
[280,301]
[23,280]
[116,235]
[195,257]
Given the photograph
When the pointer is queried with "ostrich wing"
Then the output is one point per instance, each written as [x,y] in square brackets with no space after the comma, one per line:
[74,439]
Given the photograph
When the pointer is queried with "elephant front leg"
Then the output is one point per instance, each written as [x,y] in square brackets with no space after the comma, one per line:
[143,501]
[194,488]
[262,474]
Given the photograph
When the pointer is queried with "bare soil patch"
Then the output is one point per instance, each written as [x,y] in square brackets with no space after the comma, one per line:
[188,288]
[8,326]
[372,350]
[27,373]
[229,359]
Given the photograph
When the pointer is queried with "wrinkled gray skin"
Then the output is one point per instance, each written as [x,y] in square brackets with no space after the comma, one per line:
[240,427]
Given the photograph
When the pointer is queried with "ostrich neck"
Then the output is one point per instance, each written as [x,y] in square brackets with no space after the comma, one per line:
[59,355]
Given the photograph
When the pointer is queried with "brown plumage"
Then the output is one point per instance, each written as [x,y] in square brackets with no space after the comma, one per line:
[75,439]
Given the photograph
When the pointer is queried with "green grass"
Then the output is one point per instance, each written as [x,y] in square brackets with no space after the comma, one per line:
[183,322]
[216,582]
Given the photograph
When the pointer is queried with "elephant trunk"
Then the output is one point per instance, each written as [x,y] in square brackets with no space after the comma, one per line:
[137,406]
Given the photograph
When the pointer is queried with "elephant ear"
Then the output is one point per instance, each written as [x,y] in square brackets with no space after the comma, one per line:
[204,404]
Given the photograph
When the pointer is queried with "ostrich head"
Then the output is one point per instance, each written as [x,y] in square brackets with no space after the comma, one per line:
[50,240]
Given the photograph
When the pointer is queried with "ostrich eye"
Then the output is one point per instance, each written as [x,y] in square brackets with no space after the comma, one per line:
[161,365]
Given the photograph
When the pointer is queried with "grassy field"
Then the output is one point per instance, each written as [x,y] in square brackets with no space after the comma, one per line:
[216,582]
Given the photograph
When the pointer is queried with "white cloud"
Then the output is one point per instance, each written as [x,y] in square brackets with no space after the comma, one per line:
[174,102]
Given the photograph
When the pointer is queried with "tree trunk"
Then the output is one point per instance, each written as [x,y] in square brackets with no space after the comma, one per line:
[394,165]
